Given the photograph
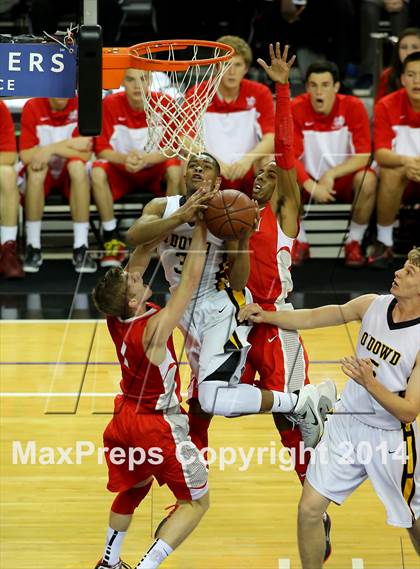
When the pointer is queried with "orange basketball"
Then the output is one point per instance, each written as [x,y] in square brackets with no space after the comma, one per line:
[230,214]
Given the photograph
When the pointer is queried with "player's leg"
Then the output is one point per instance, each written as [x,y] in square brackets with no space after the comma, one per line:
[10,265]
[108,184]
[414,533]
[120,517]
[392,183]
[36,182]
[79,199]
[311,536]
[364,187]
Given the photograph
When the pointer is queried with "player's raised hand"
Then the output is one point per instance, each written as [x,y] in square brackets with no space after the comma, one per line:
[195,205]
[252,312]
[279,69]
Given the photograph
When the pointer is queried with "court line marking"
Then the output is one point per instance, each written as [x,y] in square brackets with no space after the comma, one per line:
[357,563]
[63,394]
[284,563]
[312,362]
[52,320]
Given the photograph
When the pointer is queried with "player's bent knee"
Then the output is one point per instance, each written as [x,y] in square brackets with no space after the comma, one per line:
[309,510]
[77,169]
[7,177]
[126,502]
[98,175]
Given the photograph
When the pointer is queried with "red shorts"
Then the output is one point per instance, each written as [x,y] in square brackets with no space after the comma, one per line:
[60,182]
[244,184]
[279,357]
[163,446]
[343,186]
[150,179]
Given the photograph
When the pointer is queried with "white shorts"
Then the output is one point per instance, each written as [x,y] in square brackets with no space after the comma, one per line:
[351,451]
[212,332]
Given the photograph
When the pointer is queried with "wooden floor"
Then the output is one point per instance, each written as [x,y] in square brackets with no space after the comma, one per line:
[54,516]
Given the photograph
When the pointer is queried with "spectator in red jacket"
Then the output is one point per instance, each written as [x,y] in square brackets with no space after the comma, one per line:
[239,121]
[10,263]
[55,156]
[332,149]
[124,163]
[397,151]
[390,79]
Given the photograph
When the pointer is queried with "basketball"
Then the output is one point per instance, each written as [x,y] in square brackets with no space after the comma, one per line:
[230,214]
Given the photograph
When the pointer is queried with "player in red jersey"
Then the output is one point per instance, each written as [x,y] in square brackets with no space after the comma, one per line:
[148,418]
[55,156]
[239,121]
[124,163]
[397,150]
[10,263]
[332,148]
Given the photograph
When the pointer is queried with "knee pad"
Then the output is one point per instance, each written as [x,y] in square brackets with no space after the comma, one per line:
[126,502]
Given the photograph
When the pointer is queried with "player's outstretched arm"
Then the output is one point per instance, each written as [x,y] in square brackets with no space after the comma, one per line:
[161,326]
[330,315]
[405,409]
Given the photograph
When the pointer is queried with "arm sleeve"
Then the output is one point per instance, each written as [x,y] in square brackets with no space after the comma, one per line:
[383,134]
[360,127]
[265,108]
[283,140]
[28,136]
[7,130]
[301,173]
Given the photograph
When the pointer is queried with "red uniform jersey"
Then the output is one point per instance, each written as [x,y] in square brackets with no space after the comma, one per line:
[324,141]
[156,388]
[382,90]
[231,129]
[397,125]
[270,280]
[7,130]
[123,128]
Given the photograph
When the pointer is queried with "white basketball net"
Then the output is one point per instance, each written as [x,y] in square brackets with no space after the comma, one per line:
[176,121]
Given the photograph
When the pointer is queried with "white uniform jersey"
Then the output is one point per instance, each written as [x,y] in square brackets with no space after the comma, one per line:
[174,249]
[392,347]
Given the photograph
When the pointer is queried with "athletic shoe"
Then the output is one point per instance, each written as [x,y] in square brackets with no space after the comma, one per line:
[300,253]
[327,397]
[10,263]
[381,256]
[307,416]
[82,261]
[119,565]
[353,255]
[33,260]
[115,253]
[173,509]
[326,520]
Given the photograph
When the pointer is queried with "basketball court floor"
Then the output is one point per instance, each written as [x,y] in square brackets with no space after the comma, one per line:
[58,378]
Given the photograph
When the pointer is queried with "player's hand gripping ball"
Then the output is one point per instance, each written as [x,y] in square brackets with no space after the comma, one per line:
[230,215]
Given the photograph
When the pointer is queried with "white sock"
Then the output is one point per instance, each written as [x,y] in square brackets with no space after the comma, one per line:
[114,541]
[33,234]
[283,402]
[157,553]
[109,225]
[80,234]
[302,234]
[356,232]
[385,234]
[8,233]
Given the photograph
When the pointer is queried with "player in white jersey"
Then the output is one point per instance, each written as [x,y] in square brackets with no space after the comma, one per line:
[373,432]
[216,344]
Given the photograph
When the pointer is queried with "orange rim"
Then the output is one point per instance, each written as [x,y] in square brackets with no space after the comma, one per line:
[115,60]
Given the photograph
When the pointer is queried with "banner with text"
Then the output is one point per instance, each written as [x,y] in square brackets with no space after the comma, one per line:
[37,70]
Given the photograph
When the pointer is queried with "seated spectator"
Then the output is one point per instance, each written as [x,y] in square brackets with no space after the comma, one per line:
[397,151]
[10,263]
[370,13]
[332,148]
[55,156]
[124,164]
[239,121]
[390,79]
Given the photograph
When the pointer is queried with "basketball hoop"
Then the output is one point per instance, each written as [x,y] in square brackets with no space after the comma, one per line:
[175,125]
